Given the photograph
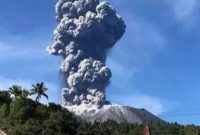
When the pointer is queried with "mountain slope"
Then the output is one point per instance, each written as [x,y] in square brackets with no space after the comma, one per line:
[118,113]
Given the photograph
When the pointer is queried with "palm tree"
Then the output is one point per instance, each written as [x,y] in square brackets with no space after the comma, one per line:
[39,89]
[16,91]
[25,94]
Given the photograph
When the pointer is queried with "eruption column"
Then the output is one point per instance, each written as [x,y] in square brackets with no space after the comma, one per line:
[86,30]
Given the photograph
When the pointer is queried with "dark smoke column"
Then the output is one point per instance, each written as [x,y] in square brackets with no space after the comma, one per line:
[86,30]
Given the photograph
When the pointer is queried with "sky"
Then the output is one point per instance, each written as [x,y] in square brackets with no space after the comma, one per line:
[155,65]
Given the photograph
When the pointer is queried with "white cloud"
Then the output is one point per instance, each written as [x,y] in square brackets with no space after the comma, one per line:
[25,47]
[5,83]
[152,104]
[121,72]
[126,59]
[144,40]
[8,51]
[145,33]
[184,8]
[149,103]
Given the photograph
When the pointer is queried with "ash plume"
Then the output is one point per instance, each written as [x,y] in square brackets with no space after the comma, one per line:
[86,30]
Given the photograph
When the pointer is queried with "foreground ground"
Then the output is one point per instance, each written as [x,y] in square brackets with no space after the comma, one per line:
[23,116]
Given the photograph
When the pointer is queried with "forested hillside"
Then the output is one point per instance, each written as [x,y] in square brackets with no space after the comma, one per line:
[20,115]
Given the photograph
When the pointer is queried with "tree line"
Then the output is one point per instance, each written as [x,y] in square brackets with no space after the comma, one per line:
[39,90]
[21,115]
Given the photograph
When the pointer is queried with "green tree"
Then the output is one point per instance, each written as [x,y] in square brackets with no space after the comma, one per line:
[4,97]
[40,90]
[25,94]
[16,91]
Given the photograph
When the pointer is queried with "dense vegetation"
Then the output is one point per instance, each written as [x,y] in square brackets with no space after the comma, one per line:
[20,115]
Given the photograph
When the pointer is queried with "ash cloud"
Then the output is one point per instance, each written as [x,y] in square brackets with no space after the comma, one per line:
[86,30]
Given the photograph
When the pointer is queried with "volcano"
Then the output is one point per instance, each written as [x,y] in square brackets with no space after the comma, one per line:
[118,113]
[87,30]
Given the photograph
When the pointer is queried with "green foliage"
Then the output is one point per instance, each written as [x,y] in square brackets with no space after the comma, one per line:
[110,128]
[23,116]
[39,89]
[16,91]
[4,97]
[27,117]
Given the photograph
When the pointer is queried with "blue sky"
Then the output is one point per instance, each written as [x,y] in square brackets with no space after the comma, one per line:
[155,65]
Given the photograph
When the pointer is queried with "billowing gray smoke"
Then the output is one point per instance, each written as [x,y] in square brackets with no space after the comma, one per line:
[86,30]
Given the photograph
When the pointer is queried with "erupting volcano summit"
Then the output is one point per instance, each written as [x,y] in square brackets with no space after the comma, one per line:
[87,29]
